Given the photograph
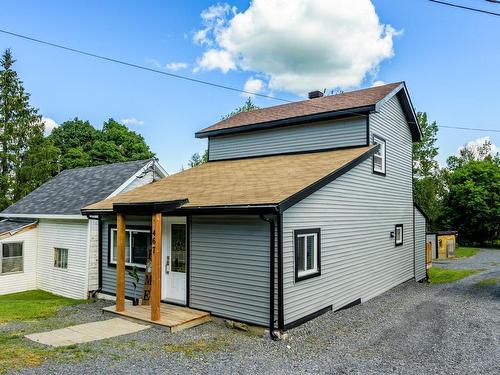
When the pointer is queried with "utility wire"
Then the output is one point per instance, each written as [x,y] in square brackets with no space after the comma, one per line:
[465,128]
[465,7]
[178,76]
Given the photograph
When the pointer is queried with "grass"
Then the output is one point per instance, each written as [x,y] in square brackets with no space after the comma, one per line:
[441,275]
[192,349]
[490,281]
[34,304]
[466,252]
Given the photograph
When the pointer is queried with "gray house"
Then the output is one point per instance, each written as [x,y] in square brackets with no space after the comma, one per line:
[302,208]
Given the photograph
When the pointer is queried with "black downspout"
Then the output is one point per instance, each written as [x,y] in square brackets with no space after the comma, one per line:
[271,275]
[99,272]
[281,315]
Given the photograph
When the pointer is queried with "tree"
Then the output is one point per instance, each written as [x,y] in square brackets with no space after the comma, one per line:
[27,159]
[248,106]
[428,181]
[197,160]
[82,145]
[470,152]
[472,205]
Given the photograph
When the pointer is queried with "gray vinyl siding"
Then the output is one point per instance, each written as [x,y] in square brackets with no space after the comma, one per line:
[356,214]
[109,271]
[432,238]
[315,136]
[229,274]
[420,268]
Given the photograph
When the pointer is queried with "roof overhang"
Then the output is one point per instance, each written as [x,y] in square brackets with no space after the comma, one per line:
[43,216]
[289,121]
[411,117]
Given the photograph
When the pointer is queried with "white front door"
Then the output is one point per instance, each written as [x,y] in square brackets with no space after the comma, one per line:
[174,259]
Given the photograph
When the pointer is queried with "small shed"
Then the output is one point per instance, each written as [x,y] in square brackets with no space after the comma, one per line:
[446,244]
[431,239]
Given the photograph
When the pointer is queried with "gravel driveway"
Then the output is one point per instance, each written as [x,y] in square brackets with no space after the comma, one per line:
[412,329]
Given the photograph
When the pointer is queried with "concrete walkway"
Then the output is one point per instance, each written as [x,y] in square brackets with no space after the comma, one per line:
[87,332]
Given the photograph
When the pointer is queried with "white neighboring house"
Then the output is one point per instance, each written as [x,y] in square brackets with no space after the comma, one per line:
[46,243]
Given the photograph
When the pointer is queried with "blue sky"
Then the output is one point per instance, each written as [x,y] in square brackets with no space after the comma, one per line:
[449,58]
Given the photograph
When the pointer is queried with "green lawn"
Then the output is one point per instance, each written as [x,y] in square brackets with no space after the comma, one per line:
[33,304]
[441,275]
[466,252]
[491,281]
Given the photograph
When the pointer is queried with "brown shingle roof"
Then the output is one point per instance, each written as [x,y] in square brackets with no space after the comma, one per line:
[253,181]
[344,101]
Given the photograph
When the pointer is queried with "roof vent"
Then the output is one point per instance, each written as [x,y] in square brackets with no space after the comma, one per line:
[315,94]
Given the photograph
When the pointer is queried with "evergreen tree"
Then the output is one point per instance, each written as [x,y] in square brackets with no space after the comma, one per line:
[26,157]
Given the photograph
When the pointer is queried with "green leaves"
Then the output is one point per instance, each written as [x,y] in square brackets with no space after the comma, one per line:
[26,157]
[82,145]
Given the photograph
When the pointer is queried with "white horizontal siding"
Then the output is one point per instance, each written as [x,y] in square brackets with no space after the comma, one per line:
[420,268]
[356,214]
[68,234]
[26,280]
[315,136]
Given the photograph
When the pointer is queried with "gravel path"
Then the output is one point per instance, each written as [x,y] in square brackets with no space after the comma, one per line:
[412,329]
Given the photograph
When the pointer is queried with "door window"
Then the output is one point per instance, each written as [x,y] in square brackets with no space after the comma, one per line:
[178,248]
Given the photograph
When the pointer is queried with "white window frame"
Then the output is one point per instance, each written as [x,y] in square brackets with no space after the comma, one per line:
[111,250]
[1,257]
[315,270]
[381,153]
[67,257]
[396,241]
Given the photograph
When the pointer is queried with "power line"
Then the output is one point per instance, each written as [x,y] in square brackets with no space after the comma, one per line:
[465,7]
[465,128]
[178,76]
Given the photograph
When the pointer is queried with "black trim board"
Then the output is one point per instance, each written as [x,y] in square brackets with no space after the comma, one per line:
[415,204]
[352,112]
[148,207]
[297,197]
[349,305]
[296,234]
[306,318]
[402,234]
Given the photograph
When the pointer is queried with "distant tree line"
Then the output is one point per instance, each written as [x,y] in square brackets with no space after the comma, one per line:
[465,194]
[28,158]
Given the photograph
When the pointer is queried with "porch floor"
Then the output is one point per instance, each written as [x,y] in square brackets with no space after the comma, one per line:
[175,318]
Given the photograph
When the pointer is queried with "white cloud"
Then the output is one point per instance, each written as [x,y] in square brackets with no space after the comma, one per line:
[298,45]
[49,125]
[254,85]
[154,63]
[378,83]
[176,66]
[216,59]
[132,121]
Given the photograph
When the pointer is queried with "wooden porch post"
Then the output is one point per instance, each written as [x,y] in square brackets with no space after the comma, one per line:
[156,266]
[120,262]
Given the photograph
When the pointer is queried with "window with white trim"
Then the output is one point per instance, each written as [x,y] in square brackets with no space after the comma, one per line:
[307,253]
[11,258]
[398,235]
[60,258]
[379,156]
[137,242]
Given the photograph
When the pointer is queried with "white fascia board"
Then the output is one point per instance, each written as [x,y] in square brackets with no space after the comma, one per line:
[44,216]
[159,169]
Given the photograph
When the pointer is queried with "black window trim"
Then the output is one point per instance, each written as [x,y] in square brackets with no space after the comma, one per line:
[129,227]
[374,135]
[1,256]
[396,237]
[296,233]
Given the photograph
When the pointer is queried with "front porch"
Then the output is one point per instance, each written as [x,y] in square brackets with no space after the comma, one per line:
[175,318]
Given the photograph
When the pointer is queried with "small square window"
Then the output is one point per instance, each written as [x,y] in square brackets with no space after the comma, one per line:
[398,235]
[11,257]
[379,156]
[60,258]
[307,253]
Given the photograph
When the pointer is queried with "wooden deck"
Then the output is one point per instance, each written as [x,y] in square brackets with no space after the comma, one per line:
[175,318]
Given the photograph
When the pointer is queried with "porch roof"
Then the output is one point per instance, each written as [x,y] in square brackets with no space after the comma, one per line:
[259,181]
